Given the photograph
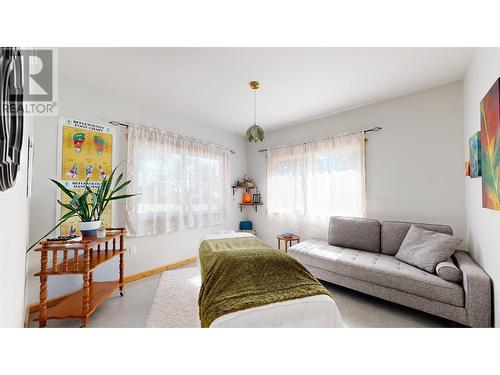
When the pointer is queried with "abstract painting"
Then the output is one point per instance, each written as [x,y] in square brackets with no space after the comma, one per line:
[490,147]
[467,168]
[475,155]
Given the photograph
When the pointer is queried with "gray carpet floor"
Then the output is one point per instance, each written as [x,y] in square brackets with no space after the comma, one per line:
[133,310]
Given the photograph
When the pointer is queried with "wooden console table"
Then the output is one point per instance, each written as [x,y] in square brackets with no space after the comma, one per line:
[79,258]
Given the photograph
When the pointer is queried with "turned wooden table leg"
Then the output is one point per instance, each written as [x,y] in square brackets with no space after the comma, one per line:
[86,287]
[42,322]
[121,265]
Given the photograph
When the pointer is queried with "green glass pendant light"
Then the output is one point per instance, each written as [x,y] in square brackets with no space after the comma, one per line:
[255,132]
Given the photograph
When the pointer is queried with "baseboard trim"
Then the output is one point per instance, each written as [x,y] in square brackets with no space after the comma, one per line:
[154,271]
[34,307]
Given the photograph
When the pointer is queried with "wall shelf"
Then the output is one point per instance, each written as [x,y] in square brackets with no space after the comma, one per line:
[247,189]
[255,205]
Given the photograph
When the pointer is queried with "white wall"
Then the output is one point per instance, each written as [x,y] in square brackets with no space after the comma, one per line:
[14,214]
[412,168]
[79,101]
[414,165]
[483,225]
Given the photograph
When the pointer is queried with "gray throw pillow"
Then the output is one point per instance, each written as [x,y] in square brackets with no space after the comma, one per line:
[448,271]
[425,249]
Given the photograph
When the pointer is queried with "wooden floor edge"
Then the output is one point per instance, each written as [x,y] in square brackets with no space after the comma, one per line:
[34,307]
[154,271]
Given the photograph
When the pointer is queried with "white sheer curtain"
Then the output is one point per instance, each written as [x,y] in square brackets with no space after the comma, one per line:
[308,183]
[183,182]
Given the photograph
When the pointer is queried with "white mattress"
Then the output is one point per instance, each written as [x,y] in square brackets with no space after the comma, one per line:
[310,312]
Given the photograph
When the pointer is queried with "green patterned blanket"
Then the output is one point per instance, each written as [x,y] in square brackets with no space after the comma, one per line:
[241,273]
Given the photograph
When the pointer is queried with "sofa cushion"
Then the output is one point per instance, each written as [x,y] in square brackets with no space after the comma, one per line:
[394,232]
[379,269]
[425,248]
[449,271]
[355,233]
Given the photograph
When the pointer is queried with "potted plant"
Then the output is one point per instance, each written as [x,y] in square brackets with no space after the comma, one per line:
[90,205]
[247,182]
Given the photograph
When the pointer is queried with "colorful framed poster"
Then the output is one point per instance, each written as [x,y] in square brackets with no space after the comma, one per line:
[490,147]
[475,155]
[85,153]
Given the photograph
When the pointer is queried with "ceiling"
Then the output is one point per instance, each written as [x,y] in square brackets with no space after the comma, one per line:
[210,85]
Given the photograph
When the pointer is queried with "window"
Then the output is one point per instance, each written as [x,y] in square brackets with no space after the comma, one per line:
[183,182]
[312,181]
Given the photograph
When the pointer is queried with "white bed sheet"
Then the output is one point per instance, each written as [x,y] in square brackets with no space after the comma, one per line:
[310,312]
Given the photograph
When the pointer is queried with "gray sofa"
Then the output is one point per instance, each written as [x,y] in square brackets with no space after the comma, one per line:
[363,259]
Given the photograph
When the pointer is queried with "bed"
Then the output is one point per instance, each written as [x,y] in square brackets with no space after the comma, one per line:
[219,270]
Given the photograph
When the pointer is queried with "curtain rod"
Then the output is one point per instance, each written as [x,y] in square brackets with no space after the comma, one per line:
[117,123]
[374,129]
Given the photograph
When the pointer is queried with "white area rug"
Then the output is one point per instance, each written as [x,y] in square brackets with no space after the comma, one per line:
[176,305]
[176,301]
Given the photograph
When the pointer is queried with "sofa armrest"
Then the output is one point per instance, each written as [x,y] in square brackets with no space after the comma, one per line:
[477,288]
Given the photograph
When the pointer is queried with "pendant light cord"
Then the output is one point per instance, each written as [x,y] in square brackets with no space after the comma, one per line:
[255,106]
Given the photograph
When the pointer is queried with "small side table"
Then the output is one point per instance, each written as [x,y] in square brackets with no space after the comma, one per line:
[288,241]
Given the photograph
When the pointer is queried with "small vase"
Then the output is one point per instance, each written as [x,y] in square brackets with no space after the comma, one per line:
[101,232]
[89,228]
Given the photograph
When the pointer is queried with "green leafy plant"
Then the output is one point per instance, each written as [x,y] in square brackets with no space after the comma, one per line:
[246,182]
[90,205]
